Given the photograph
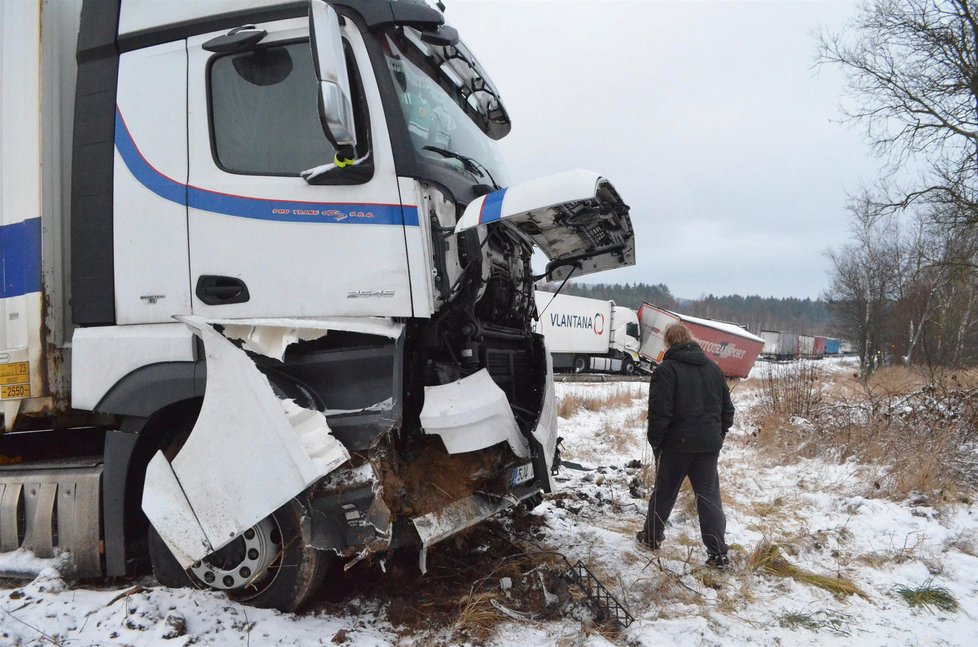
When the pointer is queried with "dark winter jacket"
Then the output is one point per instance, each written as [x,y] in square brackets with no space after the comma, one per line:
[689,402]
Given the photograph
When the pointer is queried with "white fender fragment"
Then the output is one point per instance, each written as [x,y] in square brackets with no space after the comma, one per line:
[248,454]
[471,414]
[546,430]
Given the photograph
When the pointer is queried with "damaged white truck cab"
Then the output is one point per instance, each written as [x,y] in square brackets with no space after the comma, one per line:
[300,297]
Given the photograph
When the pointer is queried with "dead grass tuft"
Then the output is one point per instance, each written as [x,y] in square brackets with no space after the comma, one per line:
[766,558]
[622,396]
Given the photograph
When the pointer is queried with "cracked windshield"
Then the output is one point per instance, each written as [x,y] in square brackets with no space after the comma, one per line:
[440,130]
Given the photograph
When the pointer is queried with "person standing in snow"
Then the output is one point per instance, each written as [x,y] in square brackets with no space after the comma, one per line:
[689,414]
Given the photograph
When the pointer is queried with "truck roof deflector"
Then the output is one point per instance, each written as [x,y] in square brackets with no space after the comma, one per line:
[576,218]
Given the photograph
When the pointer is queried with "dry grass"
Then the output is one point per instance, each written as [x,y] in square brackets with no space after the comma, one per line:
[766,558]
[912,429]
[622,396]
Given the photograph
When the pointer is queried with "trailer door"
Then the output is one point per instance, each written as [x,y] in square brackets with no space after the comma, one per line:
[263,242]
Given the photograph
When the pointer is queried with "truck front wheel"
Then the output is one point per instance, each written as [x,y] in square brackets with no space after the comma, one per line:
[580,363]
[628,366]
[268,566]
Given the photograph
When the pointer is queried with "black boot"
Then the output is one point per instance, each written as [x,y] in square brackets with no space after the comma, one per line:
[643,539]
[718,560]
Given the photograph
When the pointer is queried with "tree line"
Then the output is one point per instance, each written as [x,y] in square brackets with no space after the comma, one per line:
[805,316]
[905,286]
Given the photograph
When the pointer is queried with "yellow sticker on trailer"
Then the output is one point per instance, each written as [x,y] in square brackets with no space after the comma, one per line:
[15,380]
[17,369]
[16,391]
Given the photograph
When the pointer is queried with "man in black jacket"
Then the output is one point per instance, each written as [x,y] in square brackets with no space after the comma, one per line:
[689,414]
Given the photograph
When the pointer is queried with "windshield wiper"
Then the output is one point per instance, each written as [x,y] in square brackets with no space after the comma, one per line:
[471,165]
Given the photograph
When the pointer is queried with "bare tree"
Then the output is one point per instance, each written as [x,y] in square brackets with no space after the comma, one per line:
[912,69]
[866,282]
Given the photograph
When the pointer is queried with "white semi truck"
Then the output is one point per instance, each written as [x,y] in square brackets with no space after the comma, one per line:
[585,335]
[267,294]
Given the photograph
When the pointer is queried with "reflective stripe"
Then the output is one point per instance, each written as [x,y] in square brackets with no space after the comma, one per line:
[20,258]
[255,208]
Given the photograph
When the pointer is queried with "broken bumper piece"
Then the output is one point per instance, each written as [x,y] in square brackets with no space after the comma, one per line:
[471,414]
[464,513]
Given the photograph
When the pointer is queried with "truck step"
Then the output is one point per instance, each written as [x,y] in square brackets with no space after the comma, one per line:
[52,509]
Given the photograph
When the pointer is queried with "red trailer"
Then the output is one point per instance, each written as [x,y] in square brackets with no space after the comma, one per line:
[819,350]
[734,349]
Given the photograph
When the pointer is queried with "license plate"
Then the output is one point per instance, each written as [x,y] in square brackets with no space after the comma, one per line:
[522,473]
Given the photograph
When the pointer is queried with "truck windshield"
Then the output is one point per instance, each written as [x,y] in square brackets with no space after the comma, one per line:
[441,110]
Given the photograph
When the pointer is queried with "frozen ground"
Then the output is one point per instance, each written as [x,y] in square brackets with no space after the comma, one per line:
[821,515]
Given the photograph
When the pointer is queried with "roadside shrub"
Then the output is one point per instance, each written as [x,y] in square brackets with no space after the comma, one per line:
[914,430]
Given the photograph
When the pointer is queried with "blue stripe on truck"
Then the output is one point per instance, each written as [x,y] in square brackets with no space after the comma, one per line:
[20,258]
[255,208]
[492,207]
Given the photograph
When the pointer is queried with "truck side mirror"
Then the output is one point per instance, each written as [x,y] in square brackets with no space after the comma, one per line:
[335,106]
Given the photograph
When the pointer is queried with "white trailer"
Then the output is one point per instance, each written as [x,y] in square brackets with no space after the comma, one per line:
[298,280]
[586,335]
[779,345]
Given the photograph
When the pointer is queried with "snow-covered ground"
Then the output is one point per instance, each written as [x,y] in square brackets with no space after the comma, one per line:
[817,513]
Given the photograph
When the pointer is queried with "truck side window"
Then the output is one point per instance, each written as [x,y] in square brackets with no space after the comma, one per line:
[632,330]
[264,112]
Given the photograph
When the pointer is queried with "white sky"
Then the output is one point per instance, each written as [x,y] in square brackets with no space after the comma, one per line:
[707,116]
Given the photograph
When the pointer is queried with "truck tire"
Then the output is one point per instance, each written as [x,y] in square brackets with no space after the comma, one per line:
[270,566]
[580,363]
[628,366]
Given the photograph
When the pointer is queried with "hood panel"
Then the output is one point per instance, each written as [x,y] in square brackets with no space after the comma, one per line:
[576,218]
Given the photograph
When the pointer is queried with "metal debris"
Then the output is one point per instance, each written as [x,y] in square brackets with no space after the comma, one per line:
[604,604]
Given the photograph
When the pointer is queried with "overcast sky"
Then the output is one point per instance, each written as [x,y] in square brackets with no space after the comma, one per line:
[707,116]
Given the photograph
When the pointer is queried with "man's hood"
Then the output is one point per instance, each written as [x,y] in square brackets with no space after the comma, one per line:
[689,353]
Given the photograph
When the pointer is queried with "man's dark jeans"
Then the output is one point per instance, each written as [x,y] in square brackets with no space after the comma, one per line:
[702,472]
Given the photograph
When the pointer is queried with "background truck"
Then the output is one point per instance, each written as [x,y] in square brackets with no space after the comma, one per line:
[832,346]
[806,346]
[267,294]
[779,345]
[734,349]
[588,334]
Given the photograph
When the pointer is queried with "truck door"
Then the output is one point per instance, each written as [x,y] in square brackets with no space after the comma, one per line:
[263,242]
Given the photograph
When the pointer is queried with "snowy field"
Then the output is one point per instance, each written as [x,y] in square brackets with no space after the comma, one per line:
[822,516]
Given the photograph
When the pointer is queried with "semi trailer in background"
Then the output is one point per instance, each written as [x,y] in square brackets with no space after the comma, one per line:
[779,345]
[806,345]
[733,348]
[267,295]
[585,335]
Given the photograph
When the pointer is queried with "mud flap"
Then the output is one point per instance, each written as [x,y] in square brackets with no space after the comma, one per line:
[249,453]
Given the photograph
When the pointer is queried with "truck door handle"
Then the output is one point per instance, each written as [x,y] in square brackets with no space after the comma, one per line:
[221,290]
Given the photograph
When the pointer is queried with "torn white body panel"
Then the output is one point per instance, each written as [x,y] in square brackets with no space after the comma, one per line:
[270,337]
[471,414]
[546,430]
[560,214]
[248,454]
